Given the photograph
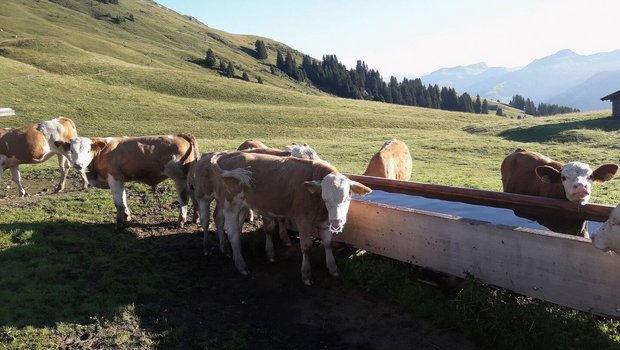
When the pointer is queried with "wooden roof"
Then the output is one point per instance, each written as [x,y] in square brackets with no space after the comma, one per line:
[611,96]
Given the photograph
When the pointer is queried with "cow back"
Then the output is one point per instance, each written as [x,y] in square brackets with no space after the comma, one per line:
[141,159]
[393,161]
[518,172]
[25,143]
[277,183]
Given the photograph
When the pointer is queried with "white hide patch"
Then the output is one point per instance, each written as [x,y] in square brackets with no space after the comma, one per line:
[577,182]
[336,193]
[607,237]
[80,154]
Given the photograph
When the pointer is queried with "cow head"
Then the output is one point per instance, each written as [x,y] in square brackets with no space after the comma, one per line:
[607,237]
[336,190]
[302,151]
[577,178]
[82,150]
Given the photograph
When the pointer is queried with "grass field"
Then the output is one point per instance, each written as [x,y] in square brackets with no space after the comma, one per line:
[69,280]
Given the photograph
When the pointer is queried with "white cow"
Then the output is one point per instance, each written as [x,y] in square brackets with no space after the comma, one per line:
[607,237]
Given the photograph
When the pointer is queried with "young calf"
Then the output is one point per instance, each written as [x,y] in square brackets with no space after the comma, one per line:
[607,237]
[531,173]
[148,159]
[36,143]
[313,193]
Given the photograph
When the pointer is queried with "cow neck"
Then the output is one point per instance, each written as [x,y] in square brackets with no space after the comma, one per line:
[322,169]
[91,167]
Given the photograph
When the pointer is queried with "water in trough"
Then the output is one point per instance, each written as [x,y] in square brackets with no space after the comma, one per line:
[470,211]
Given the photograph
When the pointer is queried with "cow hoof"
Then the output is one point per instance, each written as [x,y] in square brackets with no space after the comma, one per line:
[308,282]
[272,260]
[335,274]
[244,272]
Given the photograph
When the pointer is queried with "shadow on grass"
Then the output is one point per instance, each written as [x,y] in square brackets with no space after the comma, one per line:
[69,272]
[559,132]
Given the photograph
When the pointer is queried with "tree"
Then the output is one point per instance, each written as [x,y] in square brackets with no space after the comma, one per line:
[259,80]
[222,66]
[478,105]
[499,111]
[261,50]
[245,76]
[485,107]
[230,70]
[210,58]
[280,61]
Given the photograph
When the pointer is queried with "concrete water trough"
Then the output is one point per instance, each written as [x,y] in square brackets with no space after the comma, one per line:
[516,254]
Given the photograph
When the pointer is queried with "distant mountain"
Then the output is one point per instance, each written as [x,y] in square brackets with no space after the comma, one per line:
[549,80]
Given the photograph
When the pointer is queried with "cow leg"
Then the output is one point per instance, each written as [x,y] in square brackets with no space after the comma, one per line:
[183,194]
[120,201]
[17,178]
[330,261]
[269,226]
[231,210]
[218,218]
[63,167]
[205,214]
[305,243]
[84,179]
[283,230]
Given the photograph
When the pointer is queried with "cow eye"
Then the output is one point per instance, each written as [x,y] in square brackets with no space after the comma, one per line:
[563,178]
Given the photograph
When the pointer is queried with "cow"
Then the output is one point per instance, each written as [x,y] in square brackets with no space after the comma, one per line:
[393,161]
[295,150]
[531,173]
[36,143]
[313,193]
[146,159]
[607,237]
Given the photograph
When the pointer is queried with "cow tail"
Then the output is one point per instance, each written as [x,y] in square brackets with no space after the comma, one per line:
[194,144]
[244,176]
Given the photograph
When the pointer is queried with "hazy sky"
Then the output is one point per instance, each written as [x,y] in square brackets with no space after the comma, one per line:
[419,36]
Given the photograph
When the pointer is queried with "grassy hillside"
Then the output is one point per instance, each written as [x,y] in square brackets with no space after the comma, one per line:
[69,57]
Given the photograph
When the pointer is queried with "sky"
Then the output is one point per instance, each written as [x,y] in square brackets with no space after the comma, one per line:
[416,37]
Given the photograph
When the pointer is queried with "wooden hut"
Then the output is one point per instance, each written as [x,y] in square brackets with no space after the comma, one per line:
[615,103]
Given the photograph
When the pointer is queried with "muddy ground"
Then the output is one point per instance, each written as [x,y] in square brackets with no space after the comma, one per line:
[271,308]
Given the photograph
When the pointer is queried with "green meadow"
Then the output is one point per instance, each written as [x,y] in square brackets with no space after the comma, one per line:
[68,278]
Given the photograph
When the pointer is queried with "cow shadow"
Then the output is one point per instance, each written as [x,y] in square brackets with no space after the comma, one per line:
[559,132]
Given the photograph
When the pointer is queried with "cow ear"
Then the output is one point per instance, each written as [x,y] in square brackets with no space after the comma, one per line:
[548,174]
[604,173]
[97,146]
[359,188]
[66,146]
[313,186]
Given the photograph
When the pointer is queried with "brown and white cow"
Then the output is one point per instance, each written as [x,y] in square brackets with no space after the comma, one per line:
[531,173]
[37,143]
[146,159]
[607,237]
[393,161]
[293,150]
[313,193]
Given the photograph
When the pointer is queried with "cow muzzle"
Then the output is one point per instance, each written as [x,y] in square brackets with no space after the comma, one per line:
[335,226]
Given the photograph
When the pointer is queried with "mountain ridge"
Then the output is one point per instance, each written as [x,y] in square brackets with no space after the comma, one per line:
[544,80]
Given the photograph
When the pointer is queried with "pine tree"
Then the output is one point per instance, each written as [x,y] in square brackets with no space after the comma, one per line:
[485,107]
[245,76]
[222,66]
[477,105]
[280,61]
[261,50]
[210,58]
[230,70]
